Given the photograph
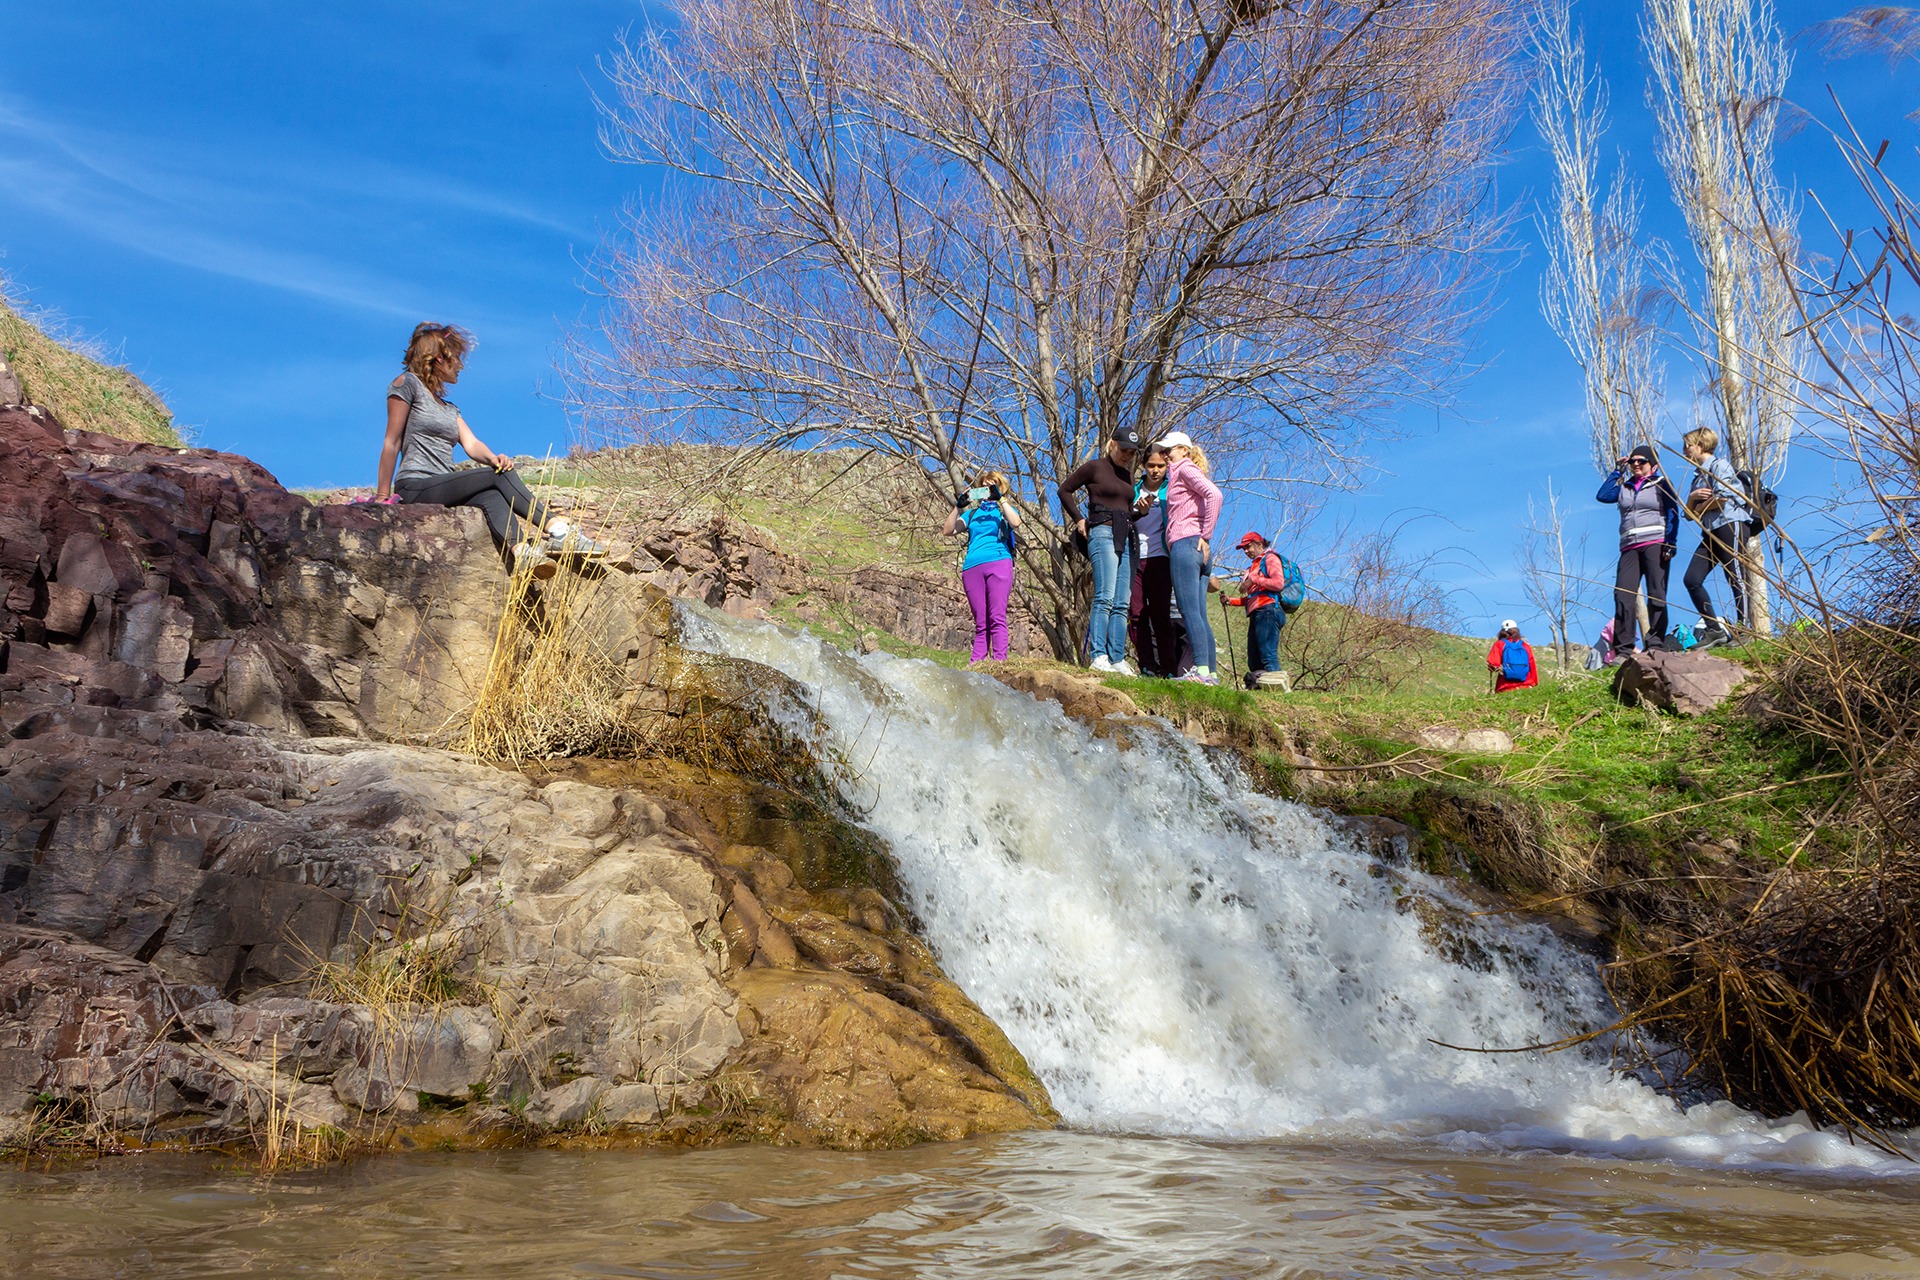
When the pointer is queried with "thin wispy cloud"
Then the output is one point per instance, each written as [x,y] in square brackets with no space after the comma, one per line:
[192,206]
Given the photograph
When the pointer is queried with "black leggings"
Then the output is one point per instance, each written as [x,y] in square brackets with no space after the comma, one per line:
[1718,547]
[1635,564]
[500,495]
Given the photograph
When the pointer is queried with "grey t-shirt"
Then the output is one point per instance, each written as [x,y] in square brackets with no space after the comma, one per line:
[426,443]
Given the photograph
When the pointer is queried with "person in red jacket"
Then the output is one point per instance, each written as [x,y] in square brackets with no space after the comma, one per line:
[1507,658]
[1260,591]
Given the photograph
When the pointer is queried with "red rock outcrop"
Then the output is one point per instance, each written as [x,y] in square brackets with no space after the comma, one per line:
[226,907]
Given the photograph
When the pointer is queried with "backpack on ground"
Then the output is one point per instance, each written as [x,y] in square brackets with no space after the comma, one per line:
[1682,638]
[1515,664]
[1294,593]
[1762,501]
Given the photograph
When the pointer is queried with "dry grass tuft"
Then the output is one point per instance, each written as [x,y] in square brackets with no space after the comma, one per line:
[71,376]
[555,686]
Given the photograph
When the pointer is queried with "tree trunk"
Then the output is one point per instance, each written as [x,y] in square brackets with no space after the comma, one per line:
[1753,565]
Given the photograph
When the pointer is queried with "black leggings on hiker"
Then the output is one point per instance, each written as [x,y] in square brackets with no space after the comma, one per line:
[501,496]
[1718,547]
[1635,564]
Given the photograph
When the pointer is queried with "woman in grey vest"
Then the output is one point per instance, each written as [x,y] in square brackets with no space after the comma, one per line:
[423,428]
[1649,526]
[1719,503]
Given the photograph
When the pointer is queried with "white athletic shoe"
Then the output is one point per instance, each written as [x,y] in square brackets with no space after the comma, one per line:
[572,542]
[531,558]
[1100,663]
[1124,668]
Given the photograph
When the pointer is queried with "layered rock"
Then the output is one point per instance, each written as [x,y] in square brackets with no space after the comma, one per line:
[1688,684]
[242,890]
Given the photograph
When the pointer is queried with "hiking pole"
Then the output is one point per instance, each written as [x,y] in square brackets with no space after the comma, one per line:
[1226,625]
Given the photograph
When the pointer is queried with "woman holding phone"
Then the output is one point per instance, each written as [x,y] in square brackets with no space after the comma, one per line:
[987,570]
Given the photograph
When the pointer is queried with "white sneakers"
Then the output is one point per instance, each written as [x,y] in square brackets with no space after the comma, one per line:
[1124,668]
[531,557]
[1100,663]
[1107,666]
[569,541]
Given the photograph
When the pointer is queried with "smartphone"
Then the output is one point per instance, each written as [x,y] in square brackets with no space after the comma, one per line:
[982,494]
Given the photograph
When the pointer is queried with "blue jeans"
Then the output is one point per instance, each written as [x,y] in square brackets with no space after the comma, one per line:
[1190,593]
[1112,588]
[1263,637]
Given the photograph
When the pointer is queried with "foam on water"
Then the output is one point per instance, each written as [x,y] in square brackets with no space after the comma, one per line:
[1175,953]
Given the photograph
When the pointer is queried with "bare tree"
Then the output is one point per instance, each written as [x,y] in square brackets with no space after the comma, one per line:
[1719,68]
[1593,291]
[1378,606]
[973,234]
[1553,570]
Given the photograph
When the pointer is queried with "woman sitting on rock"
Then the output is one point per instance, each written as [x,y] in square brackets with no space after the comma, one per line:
[423,427]
[987,572]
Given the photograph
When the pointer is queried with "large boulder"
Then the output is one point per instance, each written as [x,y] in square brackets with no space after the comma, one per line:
[194,924]
[242,601]
[1686,683]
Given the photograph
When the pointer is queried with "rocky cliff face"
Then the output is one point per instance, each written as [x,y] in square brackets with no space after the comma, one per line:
[244,891]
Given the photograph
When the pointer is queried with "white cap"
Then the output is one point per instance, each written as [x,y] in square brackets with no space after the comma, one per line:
[1173,438]
[1509,625]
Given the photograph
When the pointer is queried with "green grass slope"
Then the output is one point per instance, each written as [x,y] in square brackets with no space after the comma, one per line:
[63,373]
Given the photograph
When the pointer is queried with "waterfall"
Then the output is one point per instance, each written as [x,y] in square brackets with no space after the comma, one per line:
[1176,953]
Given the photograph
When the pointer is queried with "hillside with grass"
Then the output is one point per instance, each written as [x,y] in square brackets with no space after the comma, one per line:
[71,376]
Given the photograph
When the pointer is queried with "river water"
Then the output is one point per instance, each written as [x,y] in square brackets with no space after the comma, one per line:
[1059,1206]
[1267,1043]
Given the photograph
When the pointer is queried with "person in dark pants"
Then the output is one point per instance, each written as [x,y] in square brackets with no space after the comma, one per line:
[1157,636]
[1260,591]
[1649,527]
[422,429]
[1719,502]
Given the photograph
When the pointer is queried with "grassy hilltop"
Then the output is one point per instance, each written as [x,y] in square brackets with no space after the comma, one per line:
[1593,793]
[67,375]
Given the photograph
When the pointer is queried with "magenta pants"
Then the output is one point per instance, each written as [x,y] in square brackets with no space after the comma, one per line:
[988,586]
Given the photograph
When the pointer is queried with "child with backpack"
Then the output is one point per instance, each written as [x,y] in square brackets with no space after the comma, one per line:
[1511,660]
[1271,589]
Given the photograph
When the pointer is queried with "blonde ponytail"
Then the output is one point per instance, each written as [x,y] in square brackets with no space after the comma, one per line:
[1198,456]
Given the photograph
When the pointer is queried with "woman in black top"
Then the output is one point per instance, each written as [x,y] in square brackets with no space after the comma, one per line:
[1108,528]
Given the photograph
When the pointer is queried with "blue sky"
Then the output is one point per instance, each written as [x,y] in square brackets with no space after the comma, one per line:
[250,204]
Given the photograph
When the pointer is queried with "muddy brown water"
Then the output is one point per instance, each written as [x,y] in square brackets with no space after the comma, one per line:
[1054,1205]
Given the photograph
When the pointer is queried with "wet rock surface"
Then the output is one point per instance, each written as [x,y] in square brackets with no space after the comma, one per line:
[243,888]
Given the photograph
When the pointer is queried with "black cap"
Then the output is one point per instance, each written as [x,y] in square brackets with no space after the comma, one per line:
[1127,438]
[1646,453]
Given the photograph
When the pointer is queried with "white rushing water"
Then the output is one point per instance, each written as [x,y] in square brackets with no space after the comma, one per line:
[1175,953]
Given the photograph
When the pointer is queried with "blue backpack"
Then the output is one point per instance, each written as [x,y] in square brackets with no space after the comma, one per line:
[1294,593]
[1514,662]
[1683,638]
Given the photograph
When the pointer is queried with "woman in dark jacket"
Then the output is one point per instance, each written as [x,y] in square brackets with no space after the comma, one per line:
[1649,529]
[1107,526]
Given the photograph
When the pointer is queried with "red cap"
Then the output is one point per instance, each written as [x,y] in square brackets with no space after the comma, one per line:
[1250,538]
